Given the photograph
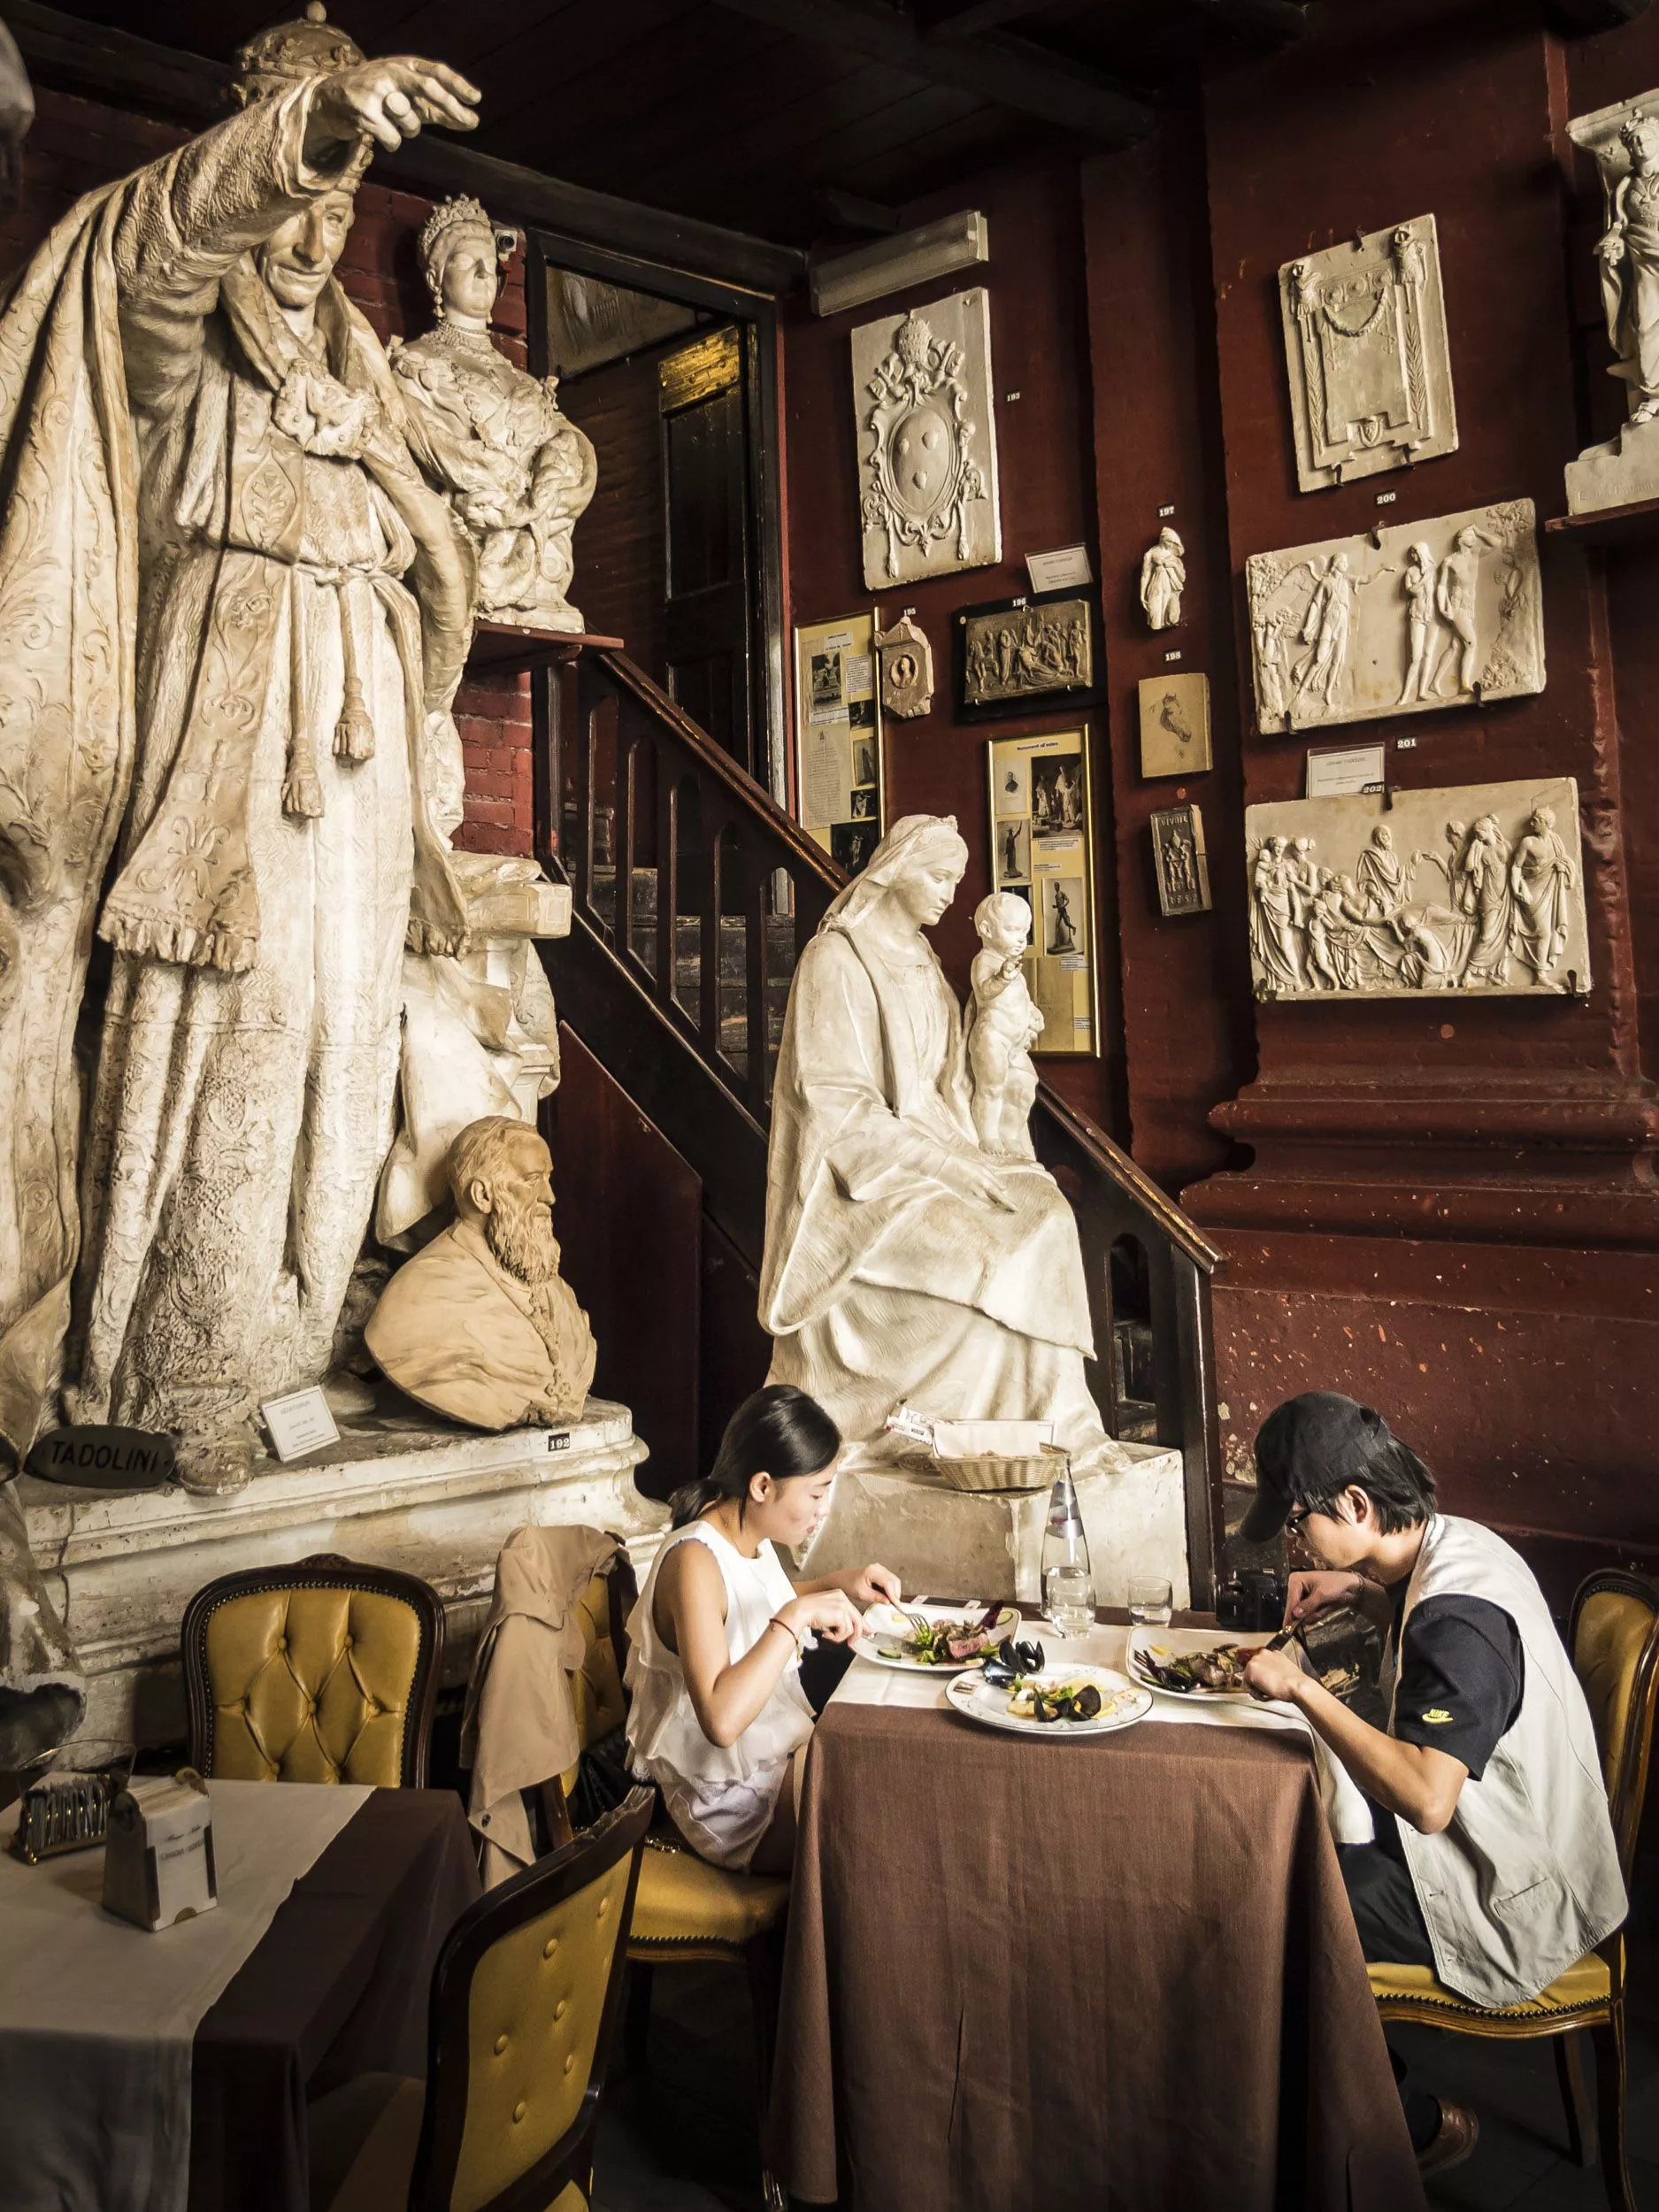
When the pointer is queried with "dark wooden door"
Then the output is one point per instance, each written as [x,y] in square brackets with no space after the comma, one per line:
[710,609]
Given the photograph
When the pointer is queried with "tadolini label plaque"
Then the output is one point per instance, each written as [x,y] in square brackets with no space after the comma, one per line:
[94,1457]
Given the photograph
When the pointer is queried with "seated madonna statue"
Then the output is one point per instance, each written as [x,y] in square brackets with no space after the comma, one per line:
[904,1263]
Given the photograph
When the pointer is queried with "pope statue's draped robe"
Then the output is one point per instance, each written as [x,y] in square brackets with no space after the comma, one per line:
[882,1282]
[245,1084]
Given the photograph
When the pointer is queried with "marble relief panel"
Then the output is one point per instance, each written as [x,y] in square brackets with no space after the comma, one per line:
[1478,888]
[1403,620]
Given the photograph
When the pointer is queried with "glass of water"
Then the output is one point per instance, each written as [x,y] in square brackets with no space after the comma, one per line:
[1151,1600]
[1068,1600]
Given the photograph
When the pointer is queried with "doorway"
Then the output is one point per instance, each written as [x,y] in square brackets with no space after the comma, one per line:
[672,378]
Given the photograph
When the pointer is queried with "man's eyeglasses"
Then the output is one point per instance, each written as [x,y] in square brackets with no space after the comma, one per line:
[1295,1518]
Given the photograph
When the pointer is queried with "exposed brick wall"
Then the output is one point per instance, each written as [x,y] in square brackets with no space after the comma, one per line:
[493,720]
[77,145]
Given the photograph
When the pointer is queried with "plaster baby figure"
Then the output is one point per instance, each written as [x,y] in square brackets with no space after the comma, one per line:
[1002,1028]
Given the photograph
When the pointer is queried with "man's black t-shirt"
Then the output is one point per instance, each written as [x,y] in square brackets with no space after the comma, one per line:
[1462,1672]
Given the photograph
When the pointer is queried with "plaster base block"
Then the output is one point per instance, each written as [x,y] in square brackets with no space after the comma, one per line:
[1623,470]
[420,1495]
[988,1544]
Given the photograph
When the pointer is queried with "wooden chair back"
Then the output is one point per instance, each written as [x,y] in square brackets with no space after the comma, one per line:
[1614,1639]
[323,1671]
[524,2010]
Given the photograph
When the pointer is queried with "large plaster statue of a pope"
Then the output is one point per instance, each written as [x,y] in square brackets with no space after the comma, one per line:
[903,1262]
[233,616]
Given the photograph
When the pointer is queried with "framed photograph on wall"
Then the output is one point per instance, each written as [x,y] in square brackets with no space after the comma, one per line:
[839,780]
[1042,851]
[1013,656]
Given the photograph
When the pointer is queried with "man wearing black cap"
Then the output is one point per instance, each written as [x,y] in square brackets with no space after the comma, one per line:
[1494,1862]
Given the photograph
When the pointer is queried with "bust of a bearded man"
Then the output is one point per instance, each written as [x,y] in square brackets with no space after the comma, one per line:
[519,475]
[479,1325]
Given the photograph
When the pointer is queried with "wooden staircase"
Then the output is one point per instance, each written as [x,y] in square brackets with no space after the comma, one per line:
[673,1001]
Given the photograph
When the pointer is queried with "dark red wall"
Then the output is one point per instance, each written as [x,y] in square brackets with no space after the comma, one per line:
[1448,1209]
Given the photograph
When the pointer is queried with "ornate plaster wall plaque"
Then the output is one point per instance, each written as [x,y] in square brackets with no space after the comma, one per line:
[1624,140]
[926,442]
[1370,376]
[906,660]
[1443,613]
[1476,888]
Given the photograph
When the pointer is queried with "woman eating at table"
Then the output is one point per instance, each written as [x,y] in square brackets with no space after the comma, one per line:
[1493,1860]
[718,1714]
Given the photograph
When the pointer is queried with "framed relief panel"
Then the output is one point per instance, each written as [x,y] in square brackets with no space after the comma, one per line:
[1018,656]
[838,767]
[1042,851]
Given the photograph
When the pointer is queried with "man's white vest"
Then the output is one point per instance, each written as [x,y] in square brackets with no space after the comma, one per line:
[1526,1879]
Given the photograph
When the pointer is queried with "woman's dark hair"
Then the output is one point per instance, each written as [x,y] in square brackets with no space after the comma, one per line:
[779,1432]
[1309,1450]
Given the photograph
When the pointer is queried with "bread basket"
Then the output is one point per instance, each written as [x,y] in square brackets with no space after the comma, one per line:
[992,1454]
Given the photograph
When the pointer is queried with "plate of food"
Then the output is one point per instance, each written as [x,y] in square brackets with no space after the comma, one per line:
[1051,1700]
[934,1638]
[1193,1662]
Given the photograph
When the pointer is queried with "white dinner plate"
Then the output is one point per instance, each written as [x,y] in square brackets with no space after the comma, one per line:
[1178,1642]
[887,1625]
[987,1702]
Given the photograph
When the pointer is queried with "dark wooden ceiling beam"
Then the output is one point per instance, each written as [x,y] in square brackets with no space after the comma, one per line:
[66,50]
[1253,22]
[1577,19]
[1008,70]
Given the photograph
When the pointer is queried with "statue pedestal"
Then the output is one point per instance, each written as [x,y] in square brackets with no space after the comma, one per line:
[414,1493]
[1623,470]
[988,1543]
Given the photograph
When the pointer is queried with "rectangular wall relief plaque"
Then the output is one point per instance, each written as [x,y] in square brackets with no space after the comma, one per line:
[1416,617]
[926,442]
[1477,888]
[1370,376]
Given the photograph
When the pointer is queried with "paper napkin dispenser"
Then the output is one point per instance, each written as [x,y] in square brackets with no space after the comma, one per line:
[159,1862]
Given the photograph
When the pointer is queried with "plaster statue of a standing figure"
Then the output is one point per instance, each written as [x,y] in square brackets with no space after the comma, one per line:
[520,475]
[1163,580]
[226,710]
[1628,256]
[904,1263]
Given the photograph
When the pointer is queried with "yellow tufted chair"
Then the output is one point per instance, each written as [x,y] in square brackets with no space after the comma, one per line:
[524,2005]
[324,1671]
[1614,1639]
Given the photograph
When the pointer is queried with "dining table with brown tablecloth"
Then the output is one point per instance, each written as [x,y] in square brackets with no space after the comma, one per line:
[1115,1973]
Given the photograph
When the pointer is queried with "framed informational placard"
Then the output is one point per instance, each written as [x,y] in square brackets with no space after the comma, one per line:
[840,783]
[1042,851]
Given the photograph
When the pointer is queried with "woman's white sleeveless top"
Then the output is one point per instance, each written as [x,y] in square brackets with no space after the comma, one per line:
[664,1731]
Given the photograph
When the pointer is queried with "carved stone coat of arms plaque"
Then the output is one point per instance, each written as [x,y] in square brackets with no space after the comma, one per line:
[1370,376]
[926,442]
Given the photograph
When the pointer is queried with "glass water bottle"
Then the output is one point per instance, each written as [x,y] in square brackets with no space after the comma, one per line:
[1067,1586]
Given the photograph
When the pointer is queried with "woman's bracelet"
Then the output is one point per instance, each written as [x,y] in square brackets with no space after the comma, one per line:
[777,1621]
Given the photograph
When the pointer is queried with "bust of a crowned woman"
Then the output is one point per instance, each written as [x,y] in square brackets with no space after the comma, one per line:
[903,1261]
[519,475]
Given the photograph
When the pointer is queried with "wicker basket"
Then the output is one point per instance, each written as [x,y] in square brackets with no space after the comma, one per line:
[985,1471]
[1035,1472]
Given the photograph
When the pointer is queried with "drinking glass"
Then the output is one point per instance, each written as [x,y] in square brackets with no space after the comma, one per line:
[1068,1600]
[1151,1600]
